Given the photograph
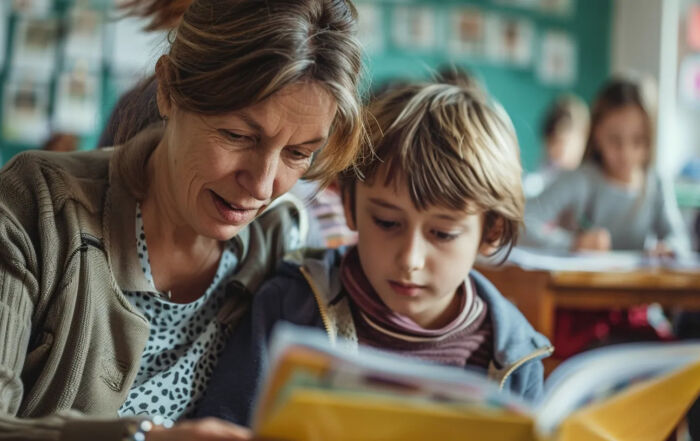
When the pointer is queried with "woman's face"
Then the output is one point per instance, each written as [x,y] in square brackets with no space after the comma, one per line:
[623,141]
[224,170]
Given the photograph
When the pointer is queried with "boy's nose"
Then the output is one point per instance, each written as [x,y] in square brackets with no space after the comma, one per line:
[412,253]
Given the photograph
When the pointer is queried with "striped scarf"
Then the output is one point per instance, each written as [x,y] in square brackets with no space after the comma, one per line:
[465,340]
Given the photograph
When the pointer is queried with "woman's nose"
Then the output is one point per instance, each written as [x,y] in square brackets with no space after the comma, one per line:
[258,176]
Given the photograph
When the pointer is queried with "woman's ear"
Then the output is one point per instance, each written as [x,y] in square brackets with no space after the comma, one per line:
[163,91]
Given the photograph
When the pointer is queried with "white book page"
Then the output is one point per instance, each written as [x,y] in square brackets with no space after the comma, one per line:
[610,261]
[594,374]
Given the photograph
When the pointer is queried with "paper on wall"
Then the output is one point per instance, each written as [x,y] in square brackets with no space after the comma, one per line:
[35,44]
[510,40]
[558,59]
[370,27]
[467,30]
[77,103]
[414,28]
[84,40]
[25,108]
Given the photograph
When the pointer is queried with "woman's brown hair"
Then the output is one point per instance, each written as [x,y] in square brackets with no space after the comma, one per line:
[163,14]
[226,55]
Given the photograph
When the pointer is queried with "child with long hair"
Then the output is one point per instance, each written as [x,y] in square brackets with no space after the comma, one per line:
[614,200]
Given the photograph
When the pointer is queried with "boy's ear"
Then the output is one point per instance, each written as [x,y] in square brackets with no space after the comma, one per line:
[349,208]
[162,93]
[487,249]
[494,227]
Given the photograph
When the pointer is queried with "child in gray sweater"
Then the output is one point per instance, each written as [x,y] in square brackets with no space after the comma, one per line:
[614,200]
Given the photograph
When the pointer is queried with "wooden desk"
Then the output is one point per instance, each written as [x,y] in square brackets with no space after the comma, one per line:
[538,293]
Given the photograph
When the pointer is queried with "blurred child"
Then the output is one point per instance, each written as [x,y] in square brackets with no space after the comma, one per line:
[442,185]
[614,200]
[564,132]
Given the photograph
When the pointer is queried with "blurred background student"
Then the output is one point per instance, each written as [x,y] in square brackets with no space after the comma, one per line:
[615,200]
[564,133]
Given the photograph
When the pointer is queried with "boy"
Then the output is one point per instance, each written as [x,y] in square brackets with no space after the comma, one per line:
[441,183]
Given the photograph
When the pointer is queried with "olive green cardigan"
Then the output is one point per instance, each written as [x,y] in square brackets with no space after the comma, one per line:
[70,342]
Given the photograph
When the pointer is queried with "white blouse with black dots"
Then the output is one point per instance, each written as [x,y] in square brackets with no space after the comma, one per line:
[184,342]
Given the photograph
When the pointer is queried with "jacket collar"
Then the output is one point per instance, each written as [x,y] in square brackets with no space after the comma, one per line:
[128,183]
[514,338]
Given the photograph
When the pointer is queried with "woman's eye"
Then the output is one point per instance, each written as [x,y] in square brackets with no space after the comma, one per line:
[233,136]
[384,224]
[299,155]
[443,236]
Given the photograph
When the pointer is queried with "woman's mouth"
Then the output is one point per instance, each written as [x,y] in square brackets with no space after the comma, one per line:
[232,213]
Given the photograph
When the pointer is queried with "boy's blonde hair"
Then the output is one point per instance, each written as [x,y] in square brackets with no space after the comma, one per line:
[451,148]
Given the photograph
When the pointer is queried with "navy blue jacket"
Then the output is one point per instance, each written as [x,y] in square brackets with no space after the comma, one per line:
[303,292]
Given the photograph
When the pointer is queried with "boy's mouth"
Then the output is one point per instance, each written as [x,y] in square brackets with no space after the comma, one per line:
[406,288]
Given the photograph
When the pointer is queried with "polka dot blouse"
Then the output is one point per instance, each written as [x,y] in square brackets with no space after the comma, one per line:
[183,345]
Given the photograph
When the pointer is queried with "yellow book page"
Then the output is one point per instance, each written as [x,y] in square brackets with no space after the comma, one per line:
[645,412]
[323,415]
[296,358]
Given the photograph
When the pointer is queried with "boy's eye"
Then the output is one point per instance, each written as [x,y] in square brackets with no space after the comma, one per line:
[443,236]
[384,224]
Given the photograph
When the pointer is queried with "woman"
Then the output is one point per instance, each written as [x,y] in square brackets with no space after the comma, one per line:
[122,270]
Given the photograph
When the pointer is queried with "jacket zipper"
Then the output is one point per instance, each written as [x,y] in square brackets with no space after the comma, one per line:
[538,353]
[321,306]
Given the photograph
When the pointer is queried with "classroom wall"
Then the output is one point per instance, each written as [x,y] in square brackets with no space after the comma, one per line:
[106,56]
[518,88]
[636,37]
[517,85]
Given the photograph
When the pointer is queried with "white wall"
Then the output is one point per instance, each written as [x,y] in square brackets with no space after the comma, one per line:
[645,41]
[637,36]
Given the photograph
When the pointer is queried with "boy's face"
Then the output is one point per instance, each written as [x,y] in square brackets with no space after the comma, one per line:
[415,260]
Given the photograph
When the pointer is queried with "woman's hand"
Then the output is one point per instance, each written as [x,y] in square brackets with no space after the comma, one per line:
[208,429]
[597,239]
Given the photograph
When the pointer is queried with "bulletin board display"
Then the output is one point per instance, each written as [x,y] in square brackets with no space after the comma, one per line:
[64,65]
[526,52]
[65,62]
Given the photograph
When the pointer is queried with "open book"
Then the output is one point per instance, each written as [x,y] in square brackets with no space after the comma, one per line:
[625,392]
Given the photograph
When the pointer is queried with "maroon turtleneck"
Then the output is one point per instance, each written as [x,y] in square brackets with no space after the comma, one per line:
[466,340]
